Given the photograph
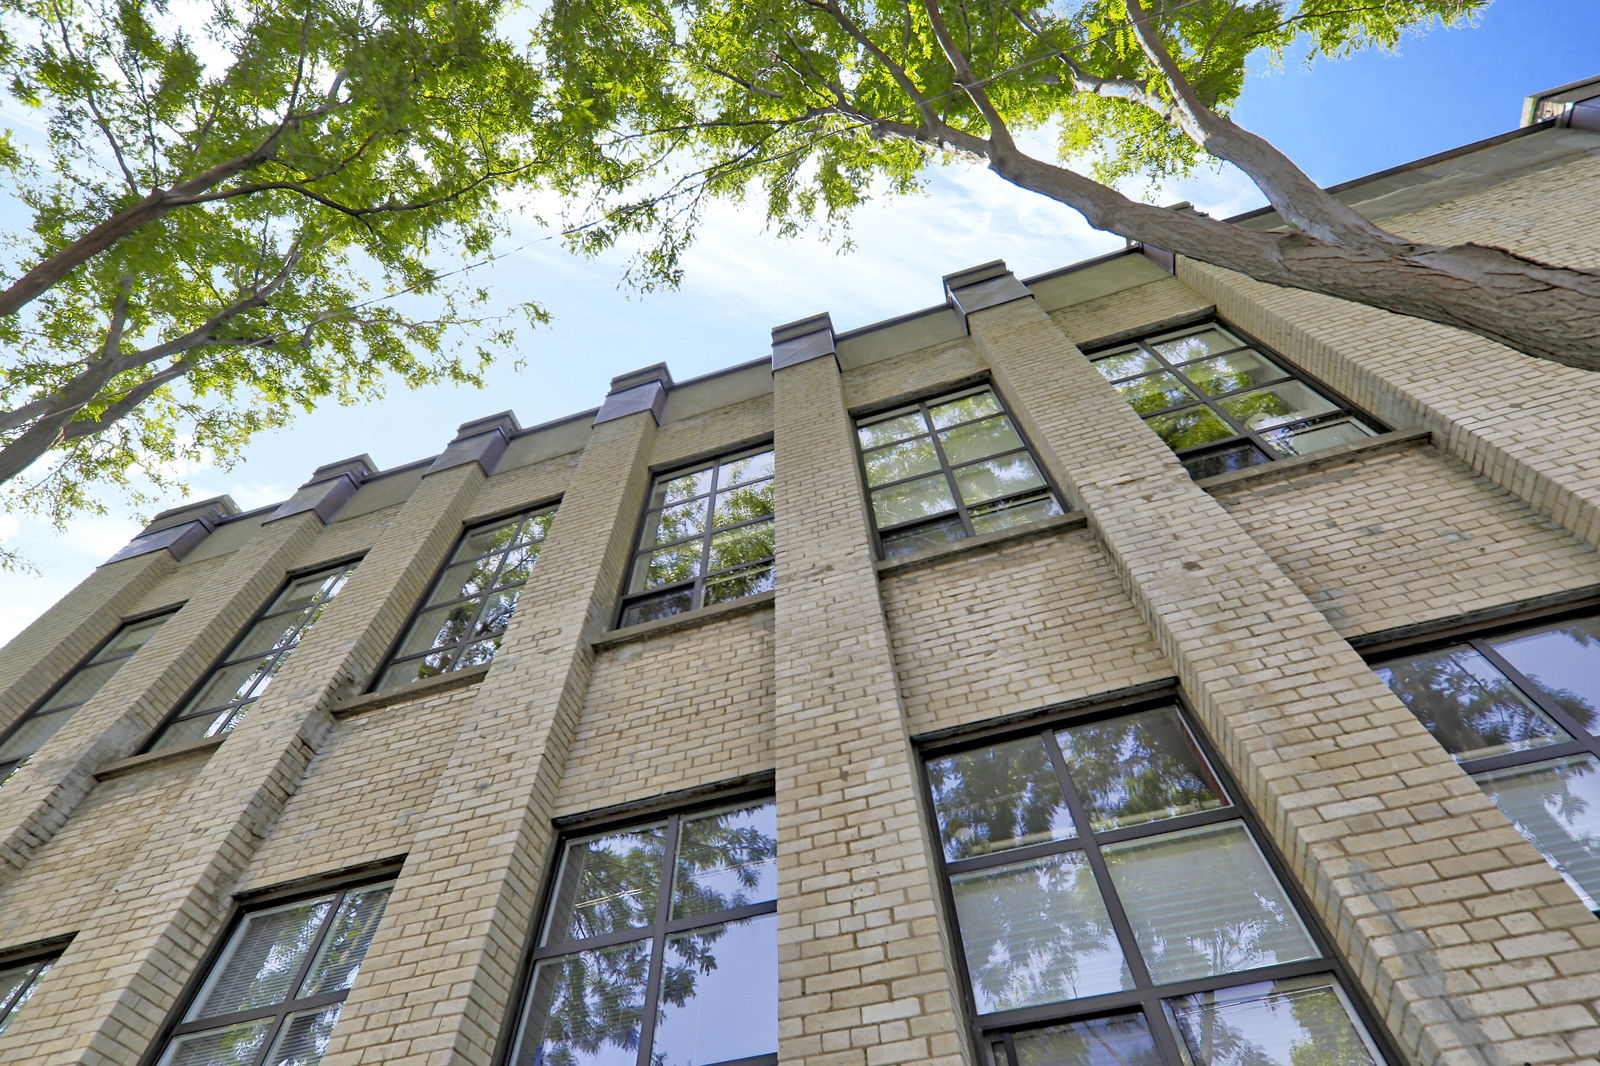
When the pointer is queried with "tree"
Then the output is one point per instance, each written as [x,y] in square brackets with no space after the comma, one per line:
[814,101]
[215,184]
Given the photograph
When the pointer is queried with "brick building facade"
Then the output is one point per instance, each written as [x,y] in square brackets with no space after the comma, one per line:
[1005,682]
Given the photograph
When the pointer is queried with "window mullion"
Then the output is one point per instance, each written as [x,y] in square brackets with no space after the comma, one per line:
[658,940]
[946,468]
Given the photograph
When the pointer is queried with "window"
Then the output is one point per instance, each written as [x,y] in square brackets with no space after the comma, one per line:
[659,945]
[235,684]
[1114,905]
[275,991]
[51,713]
[17,982]
[706,538]
[1222,404]
[466,612]
[1520,711]
[948,468]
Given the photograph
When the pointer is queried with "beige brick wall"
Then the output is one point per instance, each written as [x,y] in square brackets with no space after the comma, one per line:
[678,711]
[1015,628]
[1130,309]
[1408,537]
[914,374]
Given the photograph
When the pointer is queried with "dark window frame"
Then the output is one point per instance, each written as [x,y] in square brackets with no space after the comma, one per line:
[39,957]
[245,904]
[426,602]
[695,585]
[1476,636]
[992,1034]
[923,400]
[571,828]
[1145,341]
[226,659]
[37,710]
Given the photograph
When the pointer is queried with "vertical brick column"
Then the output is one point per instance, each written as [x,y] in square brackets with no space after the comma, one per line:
[437,982]
[1431,895]
[865,975]
[1527,425]
[172,903]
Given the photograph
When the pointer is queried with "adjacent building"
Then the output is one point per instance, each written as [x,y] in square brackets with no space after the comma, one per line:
[1133,664]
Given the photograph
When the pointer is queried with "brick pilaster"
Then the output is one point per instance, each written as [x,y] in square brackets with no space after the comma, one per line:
[1398,850]
[864,963]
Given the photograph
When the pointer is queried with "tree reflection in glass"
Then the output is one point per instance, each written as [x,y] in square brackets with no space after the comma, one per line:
[1469,706]
[1563,662]
[1118,1040]
[1301,1022]
[1556,806]
[1138,768]
[997,798]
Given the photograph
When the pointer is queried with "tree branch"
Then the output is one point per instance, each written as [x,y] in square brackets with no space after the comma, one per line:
[969,81]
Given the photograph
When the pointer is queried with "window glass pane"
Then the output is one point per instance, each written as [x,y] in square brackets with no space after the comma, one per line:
[1238,370]
[726,859]
[1155,392]
[269,634]
[131,637]
[476,654]
[677,522]
[1037,932]
[235,1045]
[183,731]
[606,883]
[964,408]
[668,565]
[25,977]
[1204,902]
[1469,706]
[749,468]
[743,504]
[302,592]
[719,998]
[1008,514]
[1314,436]
[654,607]
[262,960]
[978,440]
[1556,805]
[439,627]
[31,734]
[1120,1040]
[232,683]
[737,584]
[1139,768]
[485,539]
[83,684]
[910,541]
[1564,662]
[1225,460]
[996,798]
[1126,364]
[467,579]
[1196,345]
[923,498]
[304,1037]
[585,1009]
[1287,402]
[890,429]
[683,487]
[905,459]
[1189,427]
[993,478]
[1276,1023]
[339,957]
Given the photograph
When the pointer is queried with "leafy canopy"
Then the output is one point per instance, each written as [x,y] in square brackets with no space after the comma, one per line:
[210,191]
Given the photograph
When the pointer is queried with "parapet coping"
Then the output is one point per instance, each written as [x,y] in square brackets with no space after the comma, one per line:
[411,690]
[1285,469]
[688,619]
[1069,522]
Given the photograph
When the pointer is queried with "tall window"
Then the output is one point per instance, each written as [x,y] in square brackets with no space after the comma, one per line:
[706,538]
[17,982]
[274,993]
[466,612]
[1520,711]
[51,713]
[1114,906]
[1223,404]
[235,684]
[948,468]
[659,946]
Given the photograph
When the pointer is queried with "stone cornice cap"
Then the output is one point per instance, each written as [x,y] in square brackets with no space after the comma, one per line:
[179,529]
[804,340]
[329,489]
[979,287]
[637,390]
[482,441]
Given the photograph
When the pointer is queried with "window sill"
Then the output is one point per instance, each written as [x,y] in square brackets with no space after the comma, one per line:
[646,630]
[411,690]
[150,758]
[1283,469]
[932,556]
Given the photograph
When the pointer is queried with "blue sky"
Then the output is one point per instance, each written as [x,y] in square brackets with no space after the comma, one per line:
[1339,120]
